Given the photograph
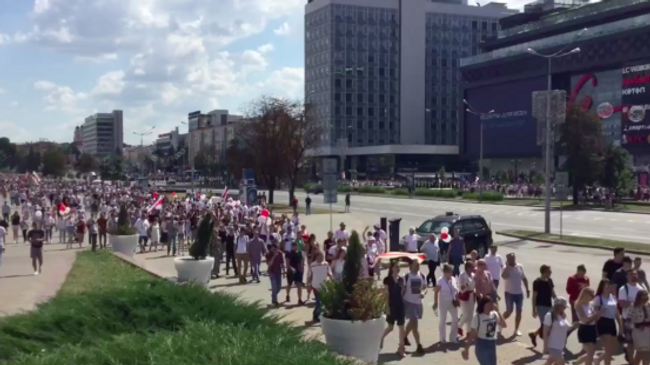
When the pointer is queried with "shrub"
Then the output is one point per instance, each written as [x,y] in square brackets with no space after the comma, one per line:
[353,298]
[310,186]
[124,227]
[345,189]
[372,190]
[436,193]
[400,191]
[200,248]
[487,196]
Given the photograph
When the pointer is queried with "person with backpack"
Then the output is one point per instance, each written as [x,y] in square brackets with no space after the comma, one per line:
[587,318]
[556,329]
[626,297]
[415,287]
[606,325]
[446,298]
[484,332]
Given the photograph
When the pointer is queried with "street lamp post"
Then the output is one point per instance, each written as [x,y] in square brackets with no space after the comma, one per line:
[142,134]
[190,157]
[480,157]
[548,143]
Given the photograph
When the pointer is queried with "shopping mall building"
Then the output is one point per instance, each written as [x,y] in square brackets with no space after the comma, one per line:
[609,76]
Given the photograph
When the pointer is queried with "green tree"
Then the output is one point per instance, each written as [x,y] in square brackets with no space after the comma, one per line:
[86,163]
[617,172]
[581,141]
[33,161]
[54,162]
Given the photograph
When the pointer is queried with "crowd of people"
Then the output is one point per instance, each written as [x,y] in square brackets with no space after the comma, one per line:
[465,288]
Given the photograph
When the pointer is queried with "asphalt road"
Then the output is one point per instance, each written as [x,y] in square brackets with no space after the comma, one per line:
[608,225]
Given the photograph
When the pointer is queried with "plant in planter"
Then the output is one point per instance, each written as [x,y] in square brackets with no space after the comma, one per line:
[124,237]
[198,265]
[353,309]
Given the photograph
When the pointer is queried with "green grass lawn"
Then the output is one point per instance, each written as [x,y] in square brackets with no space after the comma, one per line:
[109,312]
[580,241]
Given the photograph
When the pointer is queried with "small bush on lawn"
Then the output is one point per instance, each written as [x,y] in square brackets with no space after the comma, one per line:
[400,191]
[436,193]
[309,186]
[487,196]
[345,189]
[372,189]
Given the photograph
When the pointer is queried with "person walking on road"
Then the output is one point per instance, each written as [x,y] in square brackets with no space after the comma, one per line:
[484,332]
[36,238]
[6,210]
[275,264]
[556,329]
[543,296]
[3,238]
[446,298]
[15,226]
[457,252]
[347,203]
[308,205]
[514,277]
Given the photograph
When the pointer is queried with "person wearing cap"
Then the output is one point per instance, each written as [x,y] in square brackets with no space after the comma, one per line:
[556,329]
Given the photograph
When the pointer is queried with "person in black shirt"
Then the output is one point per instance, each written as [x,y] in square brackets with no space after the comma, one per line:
[395,286]
[543,295]
[295,271]
[230,251]
[612,265]
[620,275]
[308,205]
[36,237]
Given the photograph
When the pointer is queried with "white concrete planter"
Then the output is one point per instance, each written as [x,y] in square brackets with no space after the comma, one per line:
[357,339]
[125,244]
[188,269]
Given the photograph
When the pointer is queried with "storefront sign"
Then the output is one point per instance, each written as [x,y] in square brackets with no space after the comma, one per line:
[635,100]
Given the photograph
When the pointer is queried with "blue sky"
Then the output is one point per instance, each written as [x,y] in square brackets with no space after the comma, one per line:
[157,60]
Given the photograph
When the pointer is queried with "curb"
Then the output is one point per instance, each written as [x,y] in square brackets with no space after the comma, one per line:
[564,243]
[133,262]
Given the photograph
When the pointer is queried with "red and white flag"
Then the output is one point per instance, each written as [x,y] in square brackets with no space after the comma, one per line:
[35,178]
[156,205]
[224,196]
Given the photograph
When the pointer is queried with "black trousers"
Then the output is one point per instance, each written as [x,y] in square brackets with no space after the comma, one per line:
[230,257]
[431,276]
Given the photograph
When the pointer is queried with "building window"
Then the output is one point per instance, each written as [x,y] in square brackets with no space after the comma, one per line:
[359,111]
[348,97]
[348,110]
[360,98]
[371,111]
[337,97]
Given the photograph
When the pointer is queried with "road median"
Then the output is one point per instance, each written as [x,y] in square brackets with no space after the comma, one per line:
[577,241]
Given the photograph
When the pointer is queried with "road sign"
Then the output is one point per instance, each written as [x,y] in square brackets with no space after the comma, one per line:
[330,166]
[330,182]
[330,196]
[562,179]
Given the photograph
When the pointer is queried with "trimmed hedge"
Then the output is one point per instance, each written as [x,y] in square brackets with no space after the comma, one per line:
[487,196]
[372,190]
[400,191]
[436,193]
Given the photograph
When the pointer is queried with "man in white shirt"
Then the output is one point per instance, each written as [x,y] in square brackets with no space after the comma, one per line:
[626,297]
[3,234]
[495,265]
[142,225]
[341,233]
[411,241]
[514,277]
[431,250]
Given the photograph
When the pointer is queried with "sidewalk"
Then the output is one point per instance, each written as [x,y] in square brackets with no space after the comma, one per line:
[20,289]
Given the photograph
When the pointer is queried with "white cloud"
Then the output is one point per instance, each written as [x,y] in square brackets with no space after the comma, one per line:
[13,104]
[111,83]
[4,39]
[289,81]
[96,59]
[266,48]
[44,85]
[284,29]
[2,91]
[60,98]
[16,133]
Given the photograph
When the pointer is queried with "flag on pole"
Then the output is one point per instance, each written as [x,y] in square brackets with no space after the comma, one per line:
[156,205]
[225,194]
[35,178]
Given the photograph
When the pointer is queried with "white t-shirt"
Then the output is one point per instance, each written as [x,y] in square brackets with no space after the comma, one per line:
[486,326]
[448,290]
[628,293]
[411,242]
[341,235]
[333,250]
[415,285]
[3,234]
[495,265]
[242,244]
[468,280]
[558,333]
[142,225]
[319,273]
[288,240]
[514,281]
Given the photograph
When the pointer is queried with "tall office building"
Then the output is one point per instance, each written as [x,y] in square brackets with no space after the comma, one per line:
[383,78]
[103,134]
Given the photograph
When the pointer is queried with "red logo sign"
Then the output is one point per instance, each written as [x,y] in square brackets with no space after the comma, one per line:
[636,80]
[587,102]
[635,139]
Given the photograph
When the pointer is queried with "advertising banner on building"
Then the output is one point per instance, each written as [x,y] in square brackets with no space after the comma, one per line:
[635,97]
[511,130]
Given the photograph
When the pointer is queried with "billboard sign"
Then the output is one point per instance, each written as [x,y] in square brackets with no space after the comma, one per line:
[511,130]
[635,99]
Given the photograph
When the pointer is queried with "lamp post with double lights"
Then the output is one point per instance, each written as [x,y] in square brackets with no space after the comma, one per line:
[142,134]
[480,115]
[190,156]
[548,135]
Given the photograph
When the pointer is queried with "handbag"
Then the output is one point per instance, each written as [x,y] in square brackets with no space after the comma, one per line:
[454,302]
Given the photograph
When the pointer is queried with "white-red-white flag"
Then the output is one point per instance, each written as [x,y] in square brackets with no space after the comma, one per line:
[35,178]
[156,205]
[224,196]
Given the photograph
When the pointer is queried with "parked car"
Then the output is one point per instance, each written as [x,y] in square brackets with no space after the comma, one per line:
[317,189]
[474,230]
